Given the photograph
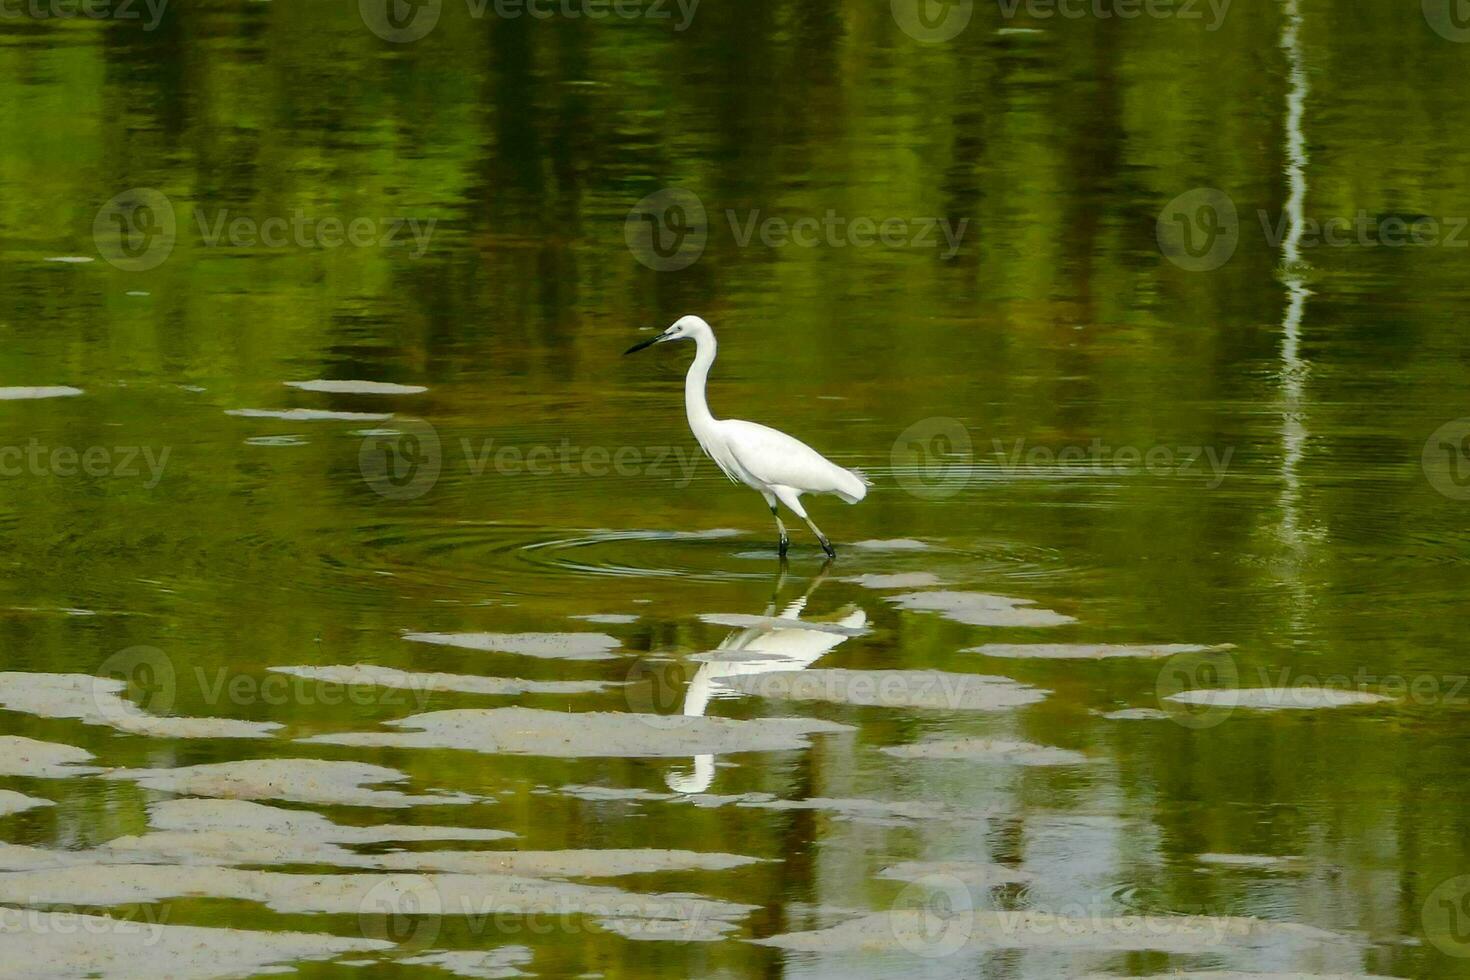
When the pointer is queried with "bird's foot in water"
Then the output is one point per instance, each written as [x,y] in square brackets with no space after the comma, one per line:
[783,547]
[827,547]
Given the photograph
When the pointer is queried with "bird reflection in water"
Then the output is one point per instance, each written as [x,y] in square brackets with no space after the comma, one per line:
[758,650]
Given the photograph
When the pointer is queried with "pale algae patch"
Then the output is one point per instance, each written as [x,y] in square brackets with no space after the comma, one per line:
[308,415]
[669,930]
[1237,975]
[100,701]
[981,608]
[254,847]
[914,930]
[859,810]
[746,621]
[292,780]
[900,580]
[1094,651]
[893,544]
[235,815]
[1277,698]
[495,964]
[371,675]
[1137,714]
[1249,860]
[354,893]
[29,394]
[356,387]
[65,945]
[13,802]
[998,750]
[978,874]
[21,756]
[889,688]
[609,619]
[562,646]
[587,734]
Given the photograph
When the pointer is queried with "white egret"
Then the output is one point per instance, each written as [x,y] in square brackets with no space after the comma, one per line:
[779,467]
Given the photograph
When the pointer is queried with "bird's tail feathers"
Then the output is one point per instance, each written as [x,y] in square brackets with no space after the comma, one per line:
[856,488]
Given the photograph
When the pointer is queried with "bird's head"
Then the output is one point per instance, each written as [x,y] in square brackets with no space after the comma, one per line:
[684,328]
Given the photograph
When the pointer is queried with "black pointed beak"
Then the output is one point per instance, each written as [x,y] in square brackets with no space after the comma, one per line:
[647,343]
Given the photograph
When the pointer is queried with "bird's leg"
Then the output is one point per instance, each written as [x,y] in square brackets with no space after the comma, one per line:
[826,545]
[785,541]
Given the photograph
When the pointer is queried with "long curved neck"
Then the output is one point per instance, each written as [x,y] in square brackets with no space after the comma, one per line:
[694,401]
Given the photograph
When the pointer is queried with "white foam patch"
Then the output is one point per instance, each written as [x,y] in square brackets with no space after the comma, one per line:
[903,580]
[495,964]
[308,415]
[371,675]
[353,894]
[860,810]
[1092,651]
[1137,714]
[13,802]
[276,441]
[70,259]
[292,780]
[21,756]
[1248,860]
[234,815]
[609,619]
[988,750]
[669,930]
[893,544]
[357,387]
[1277,698]
[981,609]
[64,945]
[562,646]
[913,930]
[889,688]
[99,701]
[745,621]
[27,394]
[977,874]
[587,734]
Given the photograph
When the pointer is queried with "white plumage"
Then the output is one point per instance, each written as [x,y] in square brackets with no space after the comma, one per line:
[779,467]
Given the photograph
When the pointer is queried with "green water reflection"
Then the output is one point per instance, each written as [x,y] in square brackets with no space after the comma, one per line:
[938,260]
